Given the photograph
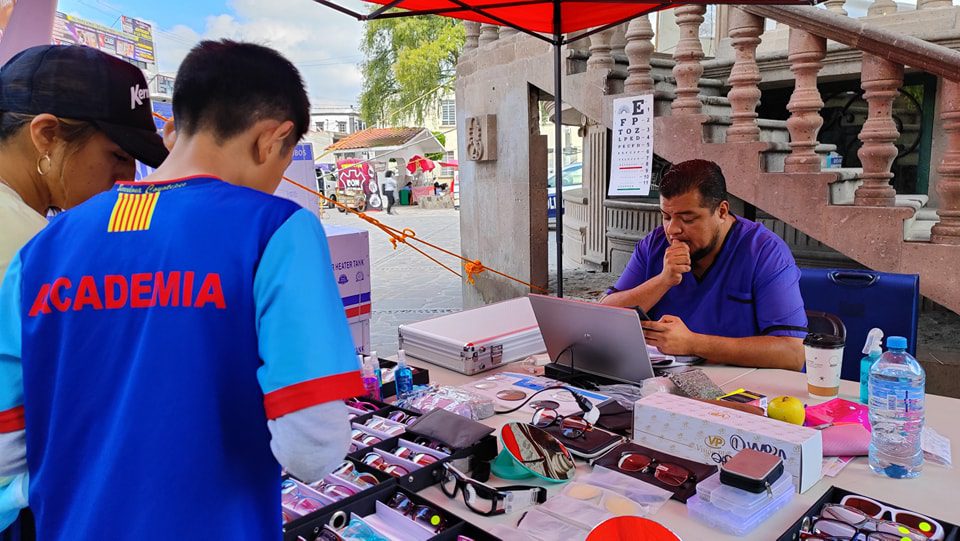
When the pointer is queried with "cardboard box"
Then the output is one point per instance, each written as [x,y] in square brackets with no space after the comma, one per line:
[712,434]
[350,258]
[361,336]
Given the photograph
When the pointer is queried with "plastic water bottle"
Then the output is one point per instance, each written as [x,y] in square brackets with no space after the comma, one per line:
[896,412]
[871,352]
[403,375]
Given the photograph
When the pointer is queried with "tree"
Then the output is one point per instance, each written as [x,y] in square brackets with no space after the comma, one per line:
[409,63]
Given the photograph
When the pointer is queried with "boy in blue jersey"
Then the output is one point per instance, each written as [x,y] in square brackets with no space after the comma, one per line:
[160,353]
[720,286]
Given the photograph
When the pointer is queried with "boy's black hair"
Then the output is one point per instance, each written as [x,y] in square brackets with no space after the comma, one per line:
[225,87]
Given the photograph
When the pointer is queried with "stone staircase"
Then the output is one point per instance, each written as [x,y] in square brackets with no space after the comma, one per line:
[777,165]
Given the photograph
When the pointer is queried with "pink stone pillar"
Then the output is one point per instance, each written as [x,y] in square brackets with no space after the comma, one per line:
[806,59]
[745,30]
[948,181]
[639,49]
[472,31]
[688,55]
[881,80]
[600,50]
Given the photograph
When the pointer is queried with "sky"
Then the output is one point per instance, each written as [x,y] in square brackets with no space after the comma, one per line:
[324,44]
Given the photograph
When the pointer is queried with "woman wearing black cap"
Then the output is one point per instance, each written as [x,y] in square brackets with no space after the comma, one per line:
[72,122]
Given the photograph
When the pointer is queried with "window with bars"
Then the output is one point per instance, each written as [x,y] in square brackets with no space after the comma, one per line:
[448,112]
[447,171]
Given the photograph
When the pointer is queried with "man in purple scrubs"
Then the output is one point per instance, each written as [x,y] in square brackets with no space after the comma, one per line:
[717,286]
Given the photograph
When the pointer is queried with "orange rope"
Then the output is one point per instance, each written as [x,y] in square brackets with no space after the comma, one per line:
[471,268]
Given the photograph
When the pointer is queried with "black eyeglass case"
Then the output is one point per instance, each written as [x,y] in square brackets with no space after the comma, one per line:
[593,444]
[751,470]
[681,493]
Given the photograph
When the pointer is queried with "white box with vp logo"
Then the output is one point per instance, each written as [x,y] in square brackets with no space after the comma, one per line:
[712,434]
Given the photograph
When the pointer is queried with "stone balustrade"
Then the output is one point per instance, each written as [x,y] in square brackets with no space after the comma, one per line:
[881,81]
[488,34]
[948,183]
[639,49]
[806,60]
[745,30]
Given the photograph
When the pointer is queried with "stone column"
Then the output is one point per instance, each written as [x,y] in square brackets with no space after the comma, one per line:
[688,55]
[880,80]
[472,30]
[934,4]
[600,57]
[806,59]
[618,43]
[639,49]
[948,181]
[836,6]
[489,33]
[745,30]
[506,32]
[881,7]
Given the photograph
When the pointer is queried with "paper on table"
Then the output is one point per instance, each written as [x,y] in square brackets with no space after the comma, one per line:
[936,447]
[833,465]
[662,360]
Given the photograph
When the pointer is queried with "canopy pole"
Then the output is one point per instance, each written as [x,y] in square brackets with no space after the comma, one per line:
[558,141]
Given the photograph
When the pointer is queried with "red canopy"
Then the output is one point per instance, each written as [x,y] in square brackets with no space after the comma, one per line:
[449,163]
[419,162]
[532,15]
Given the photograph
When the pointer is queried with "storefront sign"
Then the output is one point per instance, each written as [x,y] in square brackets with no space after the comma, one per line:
[632,151]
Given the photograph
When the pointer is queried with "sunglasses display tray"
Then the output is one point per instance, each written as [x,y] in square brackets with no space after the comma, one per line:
[374,502]
[951,532]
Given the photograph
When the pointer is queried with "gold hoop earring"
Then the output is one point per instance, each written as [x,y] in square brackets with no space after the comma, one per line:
[40,166]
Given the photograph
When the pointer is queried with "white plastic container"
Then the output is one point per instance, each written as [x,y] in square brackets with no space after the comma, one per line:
[738,502]
[728,522]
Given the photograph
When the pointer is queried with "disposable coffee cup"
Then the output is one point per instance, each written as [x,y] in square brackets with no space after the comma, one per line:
[824,355]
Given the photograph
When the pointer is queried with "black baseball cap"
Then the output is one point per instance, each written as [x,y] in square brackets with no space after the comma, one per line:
[81,83]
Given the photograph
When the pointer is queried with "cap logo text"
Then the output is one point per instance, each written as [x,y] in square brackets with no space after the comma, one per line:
[137,95]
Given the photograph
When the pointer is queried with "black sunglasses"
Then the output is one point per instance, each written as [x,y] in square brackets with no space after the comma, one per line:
[486,500]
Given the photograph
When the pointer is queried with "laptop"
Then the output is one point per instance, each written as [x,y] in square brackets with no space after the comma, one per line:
[605,341]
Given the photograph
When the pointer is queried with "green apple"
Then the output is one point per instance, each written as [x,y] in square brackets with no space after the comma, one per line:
[788,409]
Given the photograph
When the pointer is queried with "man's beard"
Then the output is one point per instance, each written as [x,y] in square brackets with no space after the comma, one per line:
[705,251]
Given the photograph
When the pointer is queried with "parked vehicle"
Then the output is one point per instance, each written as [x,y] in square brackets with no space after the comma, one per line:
[572,179]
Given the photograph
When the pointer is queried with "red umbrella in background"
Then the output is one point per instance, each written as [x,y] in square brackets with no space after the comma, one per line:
[421,163]
[547,20]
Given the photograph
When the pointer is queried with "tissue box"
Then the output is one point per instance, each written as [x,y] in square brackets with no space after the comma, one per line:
[707,433]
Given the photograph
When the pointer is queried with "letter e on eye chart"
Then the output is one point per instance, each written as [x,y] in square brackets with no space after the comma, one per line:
[632,151]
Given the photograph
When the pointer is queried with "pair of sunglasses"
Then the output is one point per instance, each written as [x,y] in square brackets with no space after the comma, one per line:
[374,460]
[362,405]
[570,427]
[431,444]
[839,522]
[294,499]
[926,525]
[380,425]
[670,474]
[401,417]
[423,459]
[348,472]
[424,514]
[486,500]
[360,436]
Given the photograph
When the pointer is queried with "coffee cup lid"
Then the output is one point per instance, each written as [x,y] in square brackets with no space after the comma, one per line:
[823,341]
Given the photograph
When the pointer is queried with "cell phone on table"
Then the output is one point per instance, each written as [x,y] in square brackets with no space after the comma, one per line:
[643,315]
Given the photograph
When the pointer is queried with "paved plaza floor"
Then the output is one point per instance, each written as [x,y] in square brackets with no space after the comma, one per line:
[407,287]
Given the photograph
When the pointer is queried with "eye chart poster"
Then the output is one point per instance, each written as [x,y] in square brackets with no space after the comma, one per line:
[632,152]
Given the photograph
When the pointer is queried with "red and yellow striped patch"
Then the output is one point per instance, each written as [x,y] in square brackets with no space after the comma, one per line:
[133,212]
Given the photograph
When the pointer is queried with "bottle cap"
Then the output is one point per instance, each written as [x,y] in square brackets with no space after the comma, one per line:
[897,342]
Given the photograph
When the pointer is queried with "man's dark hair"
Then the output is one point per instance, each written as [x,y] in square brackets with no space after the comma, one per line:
[701,175]
[388,174]
[225,87]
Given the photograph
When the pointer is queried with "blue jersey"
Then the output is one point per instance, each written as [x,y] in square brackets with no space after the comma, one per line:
[751,289]
[146,337]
